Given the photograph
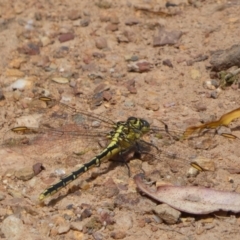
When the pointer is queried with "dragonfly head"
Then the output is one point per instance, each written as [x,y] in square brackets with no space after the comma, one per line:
[139,124]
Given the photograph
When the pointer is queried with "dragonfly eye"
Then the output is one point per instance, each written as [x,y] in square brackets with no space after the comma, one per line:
[145,126]
[132,119]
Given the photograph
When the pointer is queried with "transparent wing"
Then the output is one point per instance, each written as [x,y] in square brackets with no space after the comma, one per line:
[62,131]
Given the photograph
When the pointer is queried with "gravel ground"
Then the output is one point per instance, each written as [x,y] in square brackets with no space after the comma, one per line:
[160,59]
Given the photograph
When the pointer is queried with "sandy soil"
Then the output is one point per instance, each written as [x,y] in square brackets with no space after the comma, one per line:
[110,58]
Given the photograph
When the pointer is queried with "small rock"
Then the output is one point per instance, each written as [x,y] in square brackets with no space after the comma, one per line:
[98,236]
[60,53]
[74,14]
[211,84]
[192,172]
[14,193]
[195,74]
[166,38]
[140,66]
[45,41]
[21,84]
[98,55]
[167,213]
[200,107]
[76,226]
[132,21]
[86,213]
[29,49]
[101,43]
[111,27]
[2,196]
[66,37]
[14,73]
[2,97]
[19,7]
[24,174]
[111,188]
[85,22]
[123,221]
[216,93]
[168,63]
[60,80]
[151,106]
[107,96]
[64,228]
[12,227]
[118,235]
[37,168]
[224,59]
[114,19]
[17,62]
[42,61]
[223,130]
[105,4]
[205,144]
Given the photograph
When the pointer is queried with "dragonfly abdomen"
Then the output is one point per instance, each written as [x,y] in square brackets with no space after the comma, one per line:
[112,149]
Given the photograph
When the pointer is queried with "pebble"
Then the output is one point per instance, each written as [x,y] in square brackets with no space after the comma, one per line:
[211,84]
[111,188]
[192,172]
[77,226]
[74,14]
[223,130]
[14,73]
[123,221]
[2,97]
[21,84]
[85,22]
[200,107]
[60,53]
[41,61]
[66,37]
[45,40]
[111,27]
[12,227]
[37,168]
[132,21]
[29,49]
[118,235]
[114,19]
[2,196]
[224,59]
[24,174]
[106,4]
[19,7]
[139,66]
[63,228]
[17,62]
[101,43]
[98,236]
[168,214]
[164,37]
[151,106]
[60,80]
[215,94]
[195,74]
[167,62]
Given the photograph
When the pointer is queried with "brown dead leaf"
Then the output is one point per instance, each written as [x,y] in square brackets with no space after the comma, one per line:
[194,200]
[223,121]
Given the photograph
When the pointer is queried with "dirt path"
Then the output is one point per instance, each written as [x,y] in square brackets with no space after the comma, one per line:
[149,59]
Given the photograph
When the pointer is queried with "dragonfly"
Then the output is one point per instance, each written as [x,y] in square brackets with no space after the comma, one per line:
[65,130]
